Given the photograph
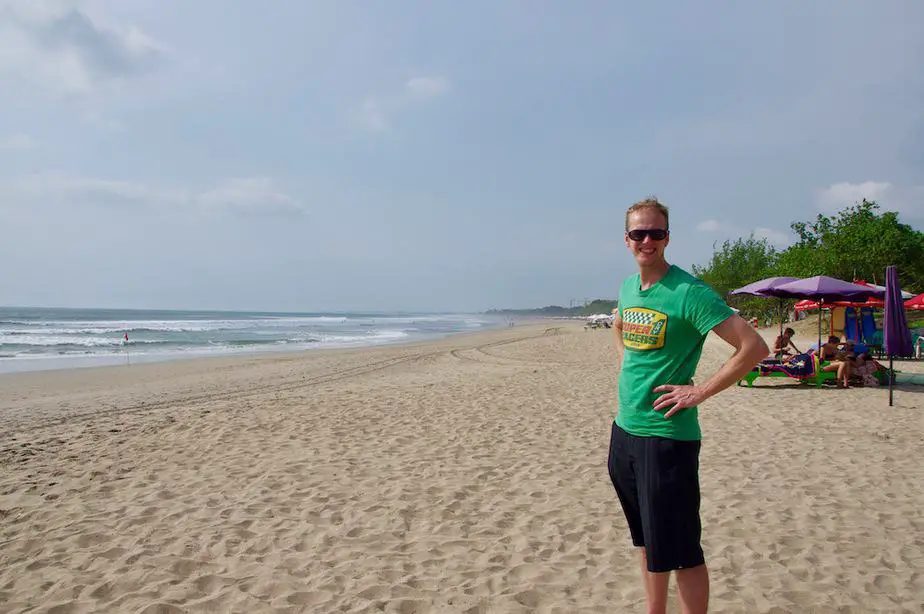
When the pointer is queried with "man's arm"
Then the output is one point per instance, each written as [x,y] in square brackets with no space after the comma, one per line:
[617,333]
[750,349]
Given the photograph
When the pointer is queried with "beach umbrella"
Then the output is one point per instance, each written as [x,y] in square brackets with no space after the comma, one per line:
[869,302]
[875,303]
[763,288]
[806,305]
[860,282]
[827,289]
[895,335]
[916,303]
[760,288]
[824,290]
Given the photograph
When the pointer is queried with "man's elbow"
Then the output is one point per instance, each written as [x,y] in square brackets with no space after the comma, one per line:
[756,349]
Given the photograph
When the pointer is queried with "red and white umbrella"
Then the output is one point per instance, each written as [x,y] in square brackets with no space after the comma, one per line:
[915,303]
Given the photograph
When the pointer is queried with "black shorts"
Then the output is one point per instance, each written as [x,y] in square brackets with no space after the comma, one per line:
[657,482]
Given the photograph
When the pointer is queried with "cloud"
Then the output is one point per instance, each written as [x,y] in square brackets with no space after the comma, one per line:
[372,117]
[248,195]
[907,200]
[17,142]
[710,226]
[774,237]
[377,113]
[425,88]
[241,195]
[840,195]
[67,51]
[58,187]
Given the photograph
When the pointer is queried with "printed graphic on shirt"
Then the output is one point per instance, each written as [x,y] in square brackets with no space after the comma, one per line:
[643,329]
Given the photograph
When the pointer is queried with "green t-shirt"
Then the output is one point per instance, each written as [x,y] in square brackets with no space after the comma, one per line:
[663,331]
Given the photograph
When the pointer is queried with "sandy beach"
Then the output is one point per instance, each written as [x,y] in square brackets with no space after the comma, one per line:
[462,475]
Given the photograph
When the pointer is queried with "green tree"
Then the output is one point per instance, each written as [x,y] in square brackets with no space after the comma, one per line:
[801,261]
[856,243]
[738,263]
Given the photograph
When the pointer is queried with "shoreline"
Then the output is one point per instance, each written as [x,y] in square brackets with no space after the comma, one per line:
[39,339]
[21,366]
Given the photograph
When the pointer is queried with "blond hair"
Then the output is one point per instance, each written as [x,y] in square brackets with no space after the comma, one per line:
[649,203]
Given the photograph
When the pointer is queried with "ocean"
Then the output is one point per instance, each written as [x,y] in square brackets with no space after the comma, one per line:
[34,339]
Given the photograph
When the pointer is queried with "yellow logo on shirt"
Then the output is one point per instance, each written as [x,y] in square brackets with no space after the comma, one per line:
[643,329]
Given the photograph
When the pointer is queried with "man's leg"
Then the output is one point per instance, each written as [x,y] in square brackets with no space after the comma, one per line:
[669,502]
[622,472]
[655,586]
[693,587]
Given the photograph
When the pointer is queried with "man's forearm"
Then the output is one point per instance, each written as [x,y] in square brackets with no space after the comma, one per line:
[620,348]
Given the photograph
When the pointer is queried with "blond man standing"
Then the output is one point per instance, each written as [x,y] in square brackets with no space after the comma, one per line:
[663,318]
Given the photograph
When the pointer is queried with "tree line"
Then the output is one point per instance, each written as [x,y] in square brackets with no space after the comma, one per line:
[858,242]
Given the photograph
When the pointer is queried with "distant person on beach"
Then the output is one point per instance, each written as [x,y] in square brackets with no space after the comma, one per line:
[663,318]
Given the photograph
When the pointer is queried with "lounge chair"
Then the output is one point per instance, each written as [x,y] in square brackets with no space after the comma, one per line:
[803,367]
[868,331]
[851,324]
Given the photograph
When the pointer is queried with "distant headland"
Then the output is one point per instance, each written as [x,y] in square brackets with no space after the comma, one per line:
[597,306]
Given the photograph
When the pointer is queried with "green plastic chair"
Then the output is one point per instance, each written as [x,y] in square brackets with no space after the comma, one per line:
[818,379]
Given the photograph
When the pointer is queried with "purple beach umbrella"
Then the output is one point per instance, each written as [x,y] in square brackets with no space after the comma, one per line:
[765,287]
[895,335]
[822,288]
[762,287]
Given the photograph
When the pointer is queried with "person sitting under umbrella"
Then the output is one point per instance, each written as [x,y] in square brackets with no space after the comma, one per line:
[783,343]
[833,358]
[864,370]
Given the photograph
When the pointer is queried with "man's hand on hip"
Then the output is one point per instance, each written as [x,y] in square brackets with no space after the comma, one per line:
[681,397]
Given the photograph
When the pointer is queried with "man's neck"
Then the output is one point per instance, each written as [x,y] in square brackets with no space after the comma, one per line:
[650,275]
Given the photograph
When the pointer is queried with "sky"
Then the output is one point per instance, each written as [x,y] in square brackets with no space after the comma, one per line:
[421,156]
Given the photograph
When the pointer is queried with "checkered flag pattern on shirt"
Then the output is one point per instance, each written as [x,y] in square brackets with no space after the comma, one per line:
[638,317]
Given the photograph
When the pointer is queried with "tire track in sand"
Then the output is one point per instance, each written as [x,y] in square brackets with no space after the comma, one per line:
[18,450]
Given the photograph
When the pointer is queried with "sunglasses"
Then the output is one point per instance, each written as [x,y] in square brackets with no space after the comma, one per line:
[656,234]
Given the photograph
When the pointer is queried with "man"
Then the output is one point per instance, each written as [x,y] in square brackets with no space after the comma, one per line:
[663,318]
